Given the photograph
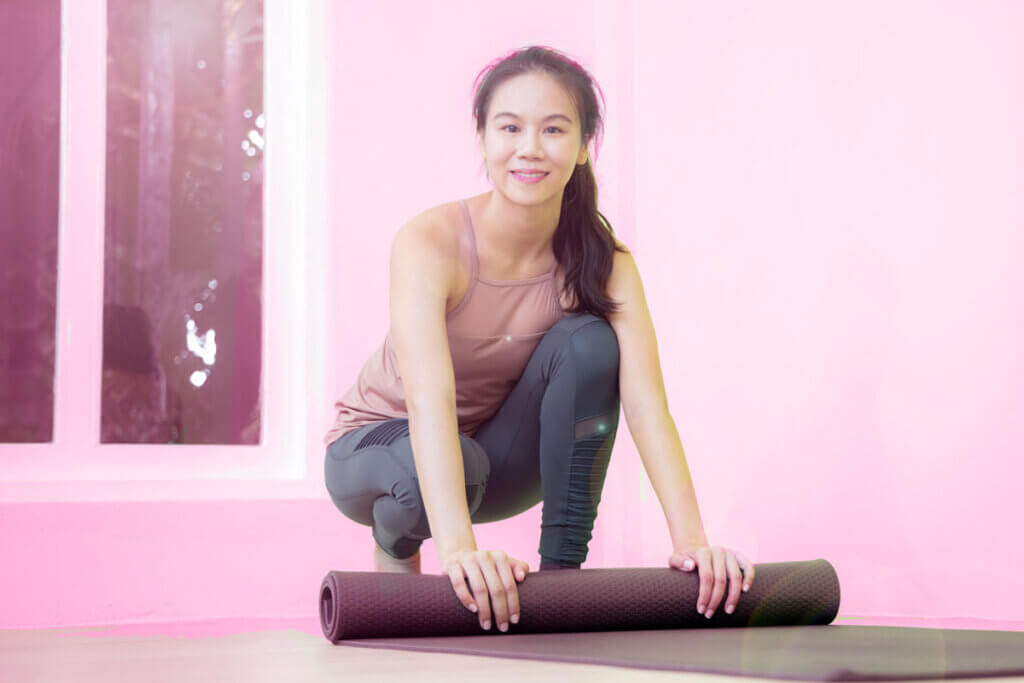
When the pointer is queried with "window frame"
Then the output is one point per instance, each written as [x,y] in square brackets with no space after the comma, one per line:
[75,466]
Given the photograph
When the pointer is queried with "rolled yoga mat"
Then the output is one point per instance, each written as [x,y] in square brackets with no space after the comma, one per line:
[382,604]
[646,618]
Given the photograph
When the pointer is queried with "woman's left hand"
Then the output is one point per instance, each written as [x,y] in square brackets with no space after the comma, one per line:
[715,562]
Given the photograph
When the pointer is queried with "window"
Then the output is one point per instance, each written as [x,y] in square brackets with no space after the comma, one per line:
[185,134]
[29,202]
[108,264]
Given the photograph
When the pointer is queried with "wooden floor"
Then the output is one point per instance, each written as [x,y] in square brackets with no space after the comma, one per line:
[251,650]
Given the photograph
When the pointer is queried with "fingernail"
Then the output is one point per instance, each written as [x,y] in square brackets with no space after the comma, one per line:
[472,608]
[746,587]
[487,625]
[700,609]
[710,612]
[728,609]
[515,618]
[503,627]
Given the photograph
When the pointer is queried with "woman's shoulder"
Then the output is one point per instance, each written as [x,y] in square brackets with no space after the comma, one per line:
[436,229]
[443,225]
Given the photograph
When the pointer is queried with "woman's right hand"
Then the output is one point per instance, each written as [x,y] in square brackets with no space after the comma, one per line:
[492,577]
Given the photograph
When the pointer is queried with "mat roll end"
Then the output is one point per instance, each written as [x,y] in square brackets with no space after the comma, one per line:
[330,616]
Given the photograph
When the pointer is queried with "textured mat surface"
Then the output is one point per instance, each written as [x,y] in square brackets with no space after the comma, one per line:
[381,604]
[808,653]
[647,618]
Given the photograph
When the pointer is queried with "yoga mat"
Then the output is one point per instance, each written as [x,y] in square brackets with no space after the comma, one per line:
[385,604]
[646,618]
[809,653]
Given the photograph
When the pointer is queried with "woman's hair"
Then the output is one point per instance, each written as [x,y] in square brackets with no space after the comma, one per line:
[584,241]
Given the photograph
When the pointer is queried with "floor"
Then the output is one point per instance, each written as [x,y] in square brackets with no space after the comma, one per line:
[290,650]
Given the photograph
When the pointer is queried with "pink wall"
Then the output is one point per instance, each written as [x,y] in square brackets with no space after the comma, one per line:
[823,199]
[829,225]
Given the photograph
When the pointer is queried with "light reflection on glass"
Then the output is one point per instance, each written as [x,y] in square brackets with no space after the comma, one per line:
[203,347]
[184,221]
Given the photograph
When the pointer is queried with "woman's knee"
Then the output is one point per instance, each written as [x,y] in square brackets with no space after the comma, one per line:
[593,341]
[357,508]
[386,469]
[595,350]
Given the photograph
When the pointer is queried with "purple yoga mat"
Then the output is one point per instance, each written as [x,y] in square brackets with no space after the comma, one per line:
[385,605]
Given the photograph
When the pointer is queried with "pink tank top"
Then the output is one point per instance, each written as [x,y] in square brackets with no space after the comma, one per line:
[491,334]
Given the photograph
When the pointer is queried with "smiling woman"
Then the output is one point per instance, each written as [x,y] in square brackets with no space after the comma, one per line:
[497,385]
[490,394]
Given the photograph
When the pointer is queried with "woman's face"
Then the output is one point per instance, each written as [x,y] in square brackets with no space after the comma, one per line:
[532,124]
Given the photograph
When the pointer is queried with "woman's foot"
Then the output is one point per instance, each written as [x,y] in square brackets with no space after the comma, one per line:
[382,562]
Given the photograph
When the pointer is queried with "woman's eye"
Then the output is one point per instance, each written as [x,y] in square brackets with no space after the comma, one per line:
[512,125]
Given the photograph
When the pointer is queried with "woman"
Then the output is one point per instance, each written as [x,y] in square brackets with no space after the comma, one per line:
[516,320]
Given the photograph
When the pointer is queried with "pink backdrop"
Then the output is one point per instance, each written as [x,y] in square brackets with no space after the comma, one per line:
[823,200]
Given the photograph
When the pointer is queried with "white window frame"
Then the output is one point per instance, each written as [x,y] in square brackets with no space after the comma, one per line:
[288,462]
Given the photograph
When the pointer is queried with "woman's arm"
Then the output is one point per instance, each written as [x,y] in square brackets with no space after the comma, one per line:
[421,276]
[642,393]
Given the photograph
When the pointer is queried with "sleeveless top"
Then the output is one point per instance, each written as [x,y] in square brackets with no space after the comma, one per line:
[491,335]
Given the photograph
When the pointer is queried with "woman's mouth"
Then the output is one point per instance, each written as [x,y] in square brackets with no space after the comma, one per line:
[529,177]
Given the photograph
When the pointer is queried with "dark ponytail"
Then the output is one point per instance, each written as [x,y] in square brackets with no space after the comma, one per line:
[584,242]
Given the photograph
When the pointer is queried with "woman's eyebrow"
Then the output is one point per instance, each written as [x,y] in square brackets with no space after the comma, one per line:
[549,116]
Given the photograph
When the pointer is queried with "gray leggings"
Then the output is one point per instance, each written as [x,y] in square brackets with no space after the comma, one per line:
[550,441]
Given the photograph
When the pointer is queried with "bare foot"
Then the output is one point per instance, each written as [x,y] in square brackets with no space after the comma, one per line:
[382,562]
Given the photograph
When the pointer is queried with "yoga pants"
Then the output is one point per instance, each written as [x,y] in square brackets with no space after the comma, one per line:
[550,442]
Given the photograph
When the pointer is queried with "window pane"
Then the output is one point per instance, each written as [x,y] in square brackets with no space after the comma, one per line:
[29,197]
[184,222]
